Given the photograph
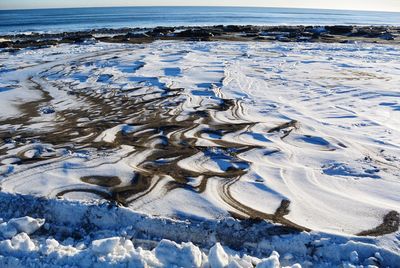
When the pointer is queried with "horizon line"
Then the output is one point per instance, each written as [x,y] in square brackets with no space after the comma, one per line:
[272,7]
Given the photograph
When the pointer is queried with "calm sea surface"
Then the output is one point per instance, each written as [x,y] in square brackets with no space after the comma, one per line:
[50,20]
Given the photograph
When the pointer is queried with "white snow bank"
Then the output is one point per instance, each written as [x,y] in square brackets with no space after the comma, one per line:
[105,246]
[103,235]
[218,257]
[20,245]
[22,251]
[25,224]
[184,255]
[270,262]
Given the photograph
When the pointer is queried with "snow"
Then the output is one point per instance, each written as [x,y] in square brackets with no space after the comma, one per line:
[26,224]
[337,163]
[354,257]
[185,255]
[86,234]
[105,246]
[20,243]
[22,251]
[109,134]
[270,262]
[218,257]
[7,231]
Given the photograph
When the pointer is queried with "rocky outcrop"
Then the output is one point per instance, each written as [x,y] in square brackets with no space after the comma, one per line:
[336,33]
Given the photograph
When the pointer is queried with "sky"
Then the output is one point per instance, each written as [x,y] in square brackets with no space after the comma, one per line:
[375,5]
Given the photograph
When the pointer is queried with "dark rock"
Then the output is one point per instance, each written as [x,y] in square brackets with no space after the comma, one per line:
[233,28]
[250,29]
[32,43]
[5,44]
[339,29]
[160,31]
[72,93]
[269,38]
[195,33]
[164,30]
[77,39]
[8,140]
[345,41]
[204,33]
[11,50]
[287,29]
[372,32]
[387,36]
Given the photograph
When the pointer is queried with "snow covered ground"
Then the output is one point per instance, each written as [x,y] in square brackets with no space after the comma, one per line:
[305,136]
[93,234]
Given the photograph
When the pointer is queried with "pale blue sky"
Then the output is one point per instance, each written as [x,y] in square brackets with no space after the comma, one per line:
[384,5]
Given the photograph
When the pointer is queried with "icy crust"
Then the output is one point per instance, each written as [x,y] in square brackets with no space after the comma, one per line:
[92,234]
[121,252]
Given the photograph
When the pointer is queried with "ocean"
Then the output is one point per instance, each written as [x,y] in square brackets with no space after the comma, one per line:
[74,19]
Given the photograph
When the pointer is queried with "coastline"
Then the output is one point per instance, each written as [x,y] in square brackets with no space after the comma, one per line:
[120,152]
[312,34]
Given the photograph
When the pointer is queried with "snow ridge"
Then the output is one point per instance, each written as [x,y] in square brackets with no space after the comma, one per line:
[86,233]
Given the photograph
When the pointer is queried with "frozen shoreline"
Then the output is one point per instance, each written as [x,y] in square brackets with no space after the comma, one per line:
[236,33]
[301,135]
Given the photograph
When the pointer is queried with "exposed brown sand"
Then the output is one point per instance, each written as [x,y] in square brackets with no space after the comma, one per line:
[391,222]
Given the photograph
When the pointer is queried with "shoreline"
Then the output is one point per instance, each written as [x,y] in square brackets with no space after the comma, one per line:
[246,150]
[280,33]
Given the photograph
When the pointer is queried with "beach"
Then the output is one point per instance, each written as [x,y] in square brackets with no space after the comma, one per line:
[247,146]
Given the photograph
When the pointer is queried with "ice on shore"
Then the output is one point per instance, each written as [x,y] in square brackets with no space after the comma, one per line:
[23,251]
[184,255]
[305,135]
[218,257]
[25,224]
[101,236]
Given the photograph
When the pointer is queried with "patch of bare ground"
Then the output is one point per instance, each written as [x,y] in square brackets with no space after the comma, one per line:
[391,222]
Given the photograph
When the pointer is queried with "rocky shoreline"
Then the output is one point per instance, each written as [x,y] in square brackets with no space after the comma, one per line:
[325,34]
